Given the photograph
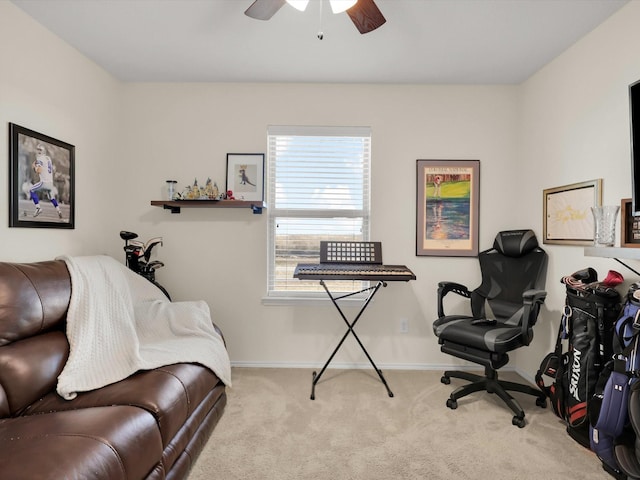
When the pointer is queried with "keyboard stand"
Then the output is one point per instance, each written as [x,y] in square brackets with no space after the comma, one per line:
[372,291]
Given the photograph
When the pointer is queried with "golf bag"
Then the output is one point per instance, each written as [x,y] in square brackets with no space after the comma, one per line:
[138,257]
[609,410]
[587,329]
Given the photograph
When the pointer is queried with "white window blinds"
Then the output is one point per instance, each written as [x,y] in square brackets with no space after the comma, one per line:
[318,190]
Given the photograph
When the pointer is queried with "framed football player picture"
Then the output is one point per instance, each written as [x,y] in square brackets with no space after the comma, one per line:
[41,180]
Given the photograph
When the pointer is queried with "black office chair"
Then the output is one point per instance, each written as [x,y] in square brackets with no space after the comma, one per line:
[513,282]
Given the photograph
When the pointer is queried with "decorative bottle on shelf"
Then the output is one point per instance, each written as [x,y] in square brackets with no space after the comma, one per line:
[171,189]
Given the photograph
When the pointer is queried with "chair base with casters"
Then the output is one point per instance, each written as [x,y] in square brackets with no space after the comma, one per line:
[515,301]
[491,384]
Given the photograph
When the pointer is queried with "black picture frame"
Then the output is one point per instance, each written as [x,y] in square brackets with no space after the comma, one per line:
[245,176]
[51,204]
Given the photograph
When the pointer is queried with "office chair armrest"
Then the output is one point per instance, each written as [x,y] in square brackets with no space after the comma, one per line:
[446,287]
[532,300]
[535,295]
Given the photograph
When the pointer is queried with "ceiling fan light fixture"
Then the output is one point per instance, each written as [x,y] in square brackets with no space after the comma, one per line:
[364,14]
[298,4]
[339,6]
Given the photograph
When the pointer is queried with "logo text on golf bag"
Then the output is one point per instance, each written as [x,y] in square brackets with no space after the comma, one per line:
[575,375]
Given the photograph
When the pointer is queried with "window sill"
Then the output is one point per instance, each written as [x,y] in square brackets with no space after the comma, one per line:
[311,301]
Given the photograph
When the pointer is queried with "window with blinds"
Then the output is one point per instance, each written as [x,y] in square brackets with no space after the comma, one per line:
[318,190]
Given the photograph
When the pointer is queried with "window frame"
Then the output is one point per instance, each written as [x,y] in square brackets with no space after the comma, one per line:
[273,295]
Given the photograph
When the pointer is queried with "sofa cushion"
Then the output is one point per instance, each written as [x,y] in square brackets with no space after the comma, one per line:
[169,393]
[29,369]
[110,443]
[33,298]
[196,380]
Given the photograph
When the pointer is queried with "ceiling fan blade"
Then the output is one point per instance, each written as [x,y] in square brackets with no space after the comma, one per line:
[264,9]
[366,16]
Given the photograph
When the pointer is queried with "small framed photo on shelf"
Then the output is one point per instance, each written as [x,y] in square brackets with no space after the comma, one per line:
[630,225]
[245,175]
[41,180]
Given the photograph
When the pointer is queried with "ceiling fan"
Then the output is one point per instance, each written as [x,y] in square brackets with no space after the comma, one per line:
[364,14]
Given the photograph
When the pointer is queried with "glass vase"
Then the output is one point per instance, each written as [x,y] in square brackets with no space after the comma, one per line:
[604,219]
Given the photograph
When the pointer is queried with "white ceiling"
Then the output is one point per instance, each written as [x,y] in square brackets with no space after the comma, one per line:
[423,41]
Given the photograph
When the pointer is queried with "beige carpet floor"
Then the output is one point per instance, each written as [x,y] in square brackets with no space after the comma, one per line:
[354,430]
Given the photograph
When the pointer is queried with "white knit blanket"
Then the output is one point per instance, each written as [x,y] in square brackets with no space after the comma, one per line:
[119,323]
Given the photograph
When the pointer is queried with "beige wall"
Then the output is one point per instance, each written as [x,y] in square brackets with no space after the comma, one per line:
[184,131]
[568,123]
[575,127]
[49,87]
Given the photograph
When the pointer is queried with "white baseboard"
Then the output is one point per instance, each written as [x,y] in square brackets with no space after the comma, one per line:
[381,366]
[390,366]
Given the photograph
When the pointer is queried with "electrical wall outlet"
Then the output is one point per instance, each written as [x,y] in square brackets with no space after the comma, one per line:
[404,325]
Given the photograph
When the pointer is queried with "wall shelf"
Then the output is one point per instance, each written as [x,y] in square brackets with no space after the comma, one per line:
[175,205]
[616,253]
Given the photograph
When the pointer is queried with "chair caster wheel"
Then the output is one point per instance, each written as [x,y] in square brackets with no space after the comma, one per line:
[518,422]
[541,402]
[452,404]
[446,380]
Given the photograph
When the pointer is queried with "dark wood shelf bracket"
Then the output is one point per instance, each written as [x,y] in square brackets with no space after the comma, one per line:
[175,206]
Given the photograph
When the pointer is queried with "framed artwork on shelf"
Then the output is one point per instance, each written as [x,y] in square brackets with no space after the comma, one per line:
[447,208]
[567,217]
[41,180]
[629,225]
[245,175]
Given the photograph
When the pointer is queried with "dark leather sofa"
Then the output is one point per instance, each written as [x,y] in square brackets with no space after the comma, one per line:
[151,425]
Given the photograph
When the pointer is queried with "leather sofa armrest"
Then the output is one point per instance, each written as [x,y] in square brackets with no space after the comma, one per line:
[217,329]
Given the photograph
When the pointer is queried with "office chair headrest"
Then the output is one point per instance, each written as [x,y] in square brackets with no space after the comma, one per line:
[515,243]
